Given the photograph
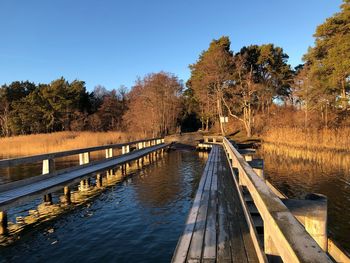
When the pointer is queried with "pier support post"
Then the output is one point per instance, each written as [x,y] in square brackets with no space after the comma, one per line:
[99,180]
[48,199]
[48,166]
[312,213]
[258,167]
[84,158]
[84,184]
[67,194]
[3,222]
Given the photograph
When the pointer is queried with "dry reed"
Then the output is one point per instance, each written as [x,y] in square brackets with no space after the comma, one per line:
[58,141]
[324,139]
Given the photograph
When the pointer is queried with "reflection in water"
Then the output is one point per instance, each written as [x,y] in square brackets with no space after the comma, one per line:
[296,172]
[138,219]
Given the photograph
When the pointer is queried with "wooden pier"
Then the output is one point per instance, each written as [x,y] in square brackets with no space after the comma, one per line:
[237,216]
[52,180]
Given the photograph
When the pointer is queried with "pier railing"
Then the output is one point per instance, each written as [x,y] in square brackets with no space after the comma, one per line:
[48,164]
[284,236]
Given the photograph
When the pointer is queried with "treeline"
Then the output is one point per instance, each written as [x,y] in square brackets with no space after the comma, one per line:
[255,88]
[26,108]
[259,90]
[152,106]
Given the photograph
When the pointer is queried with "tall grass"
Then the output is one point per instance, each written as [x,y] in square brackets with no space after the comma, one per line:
[324,139]
[58,141]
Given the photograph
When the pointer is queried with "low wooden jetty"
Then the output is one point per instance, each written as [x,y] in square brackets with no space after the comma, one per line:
[216,229]
[52,180]
[237,216]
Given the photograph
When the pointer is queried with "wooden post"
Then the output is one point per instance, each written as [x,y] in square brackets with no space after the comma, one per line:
[206,139]
[3,222]
[316,220]
[248,158]
[48,166]
[269,247]
[258,167]
[241,180]
[98,180]
[312,213]
[109,153]
[48,199]
[84,158]
[140,145]
[67,194]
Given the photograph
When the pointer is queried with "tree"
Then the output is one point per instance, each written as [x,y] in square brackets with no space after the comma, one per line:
[329,59]
[208,77]
[154,104]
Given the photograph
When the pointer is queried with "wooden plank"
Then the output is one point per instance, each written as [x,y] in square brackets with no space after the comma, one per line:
[209,251]
[52,183]
[196,247]
[224,246]
[183,245]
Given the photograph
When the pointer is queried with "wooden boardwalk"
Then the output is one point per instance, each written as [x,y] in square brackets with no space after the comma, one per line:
[23,189]
[216,230]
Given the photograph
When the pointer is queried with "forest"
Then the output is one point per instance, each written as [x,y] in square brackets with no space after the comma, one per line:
[254,87]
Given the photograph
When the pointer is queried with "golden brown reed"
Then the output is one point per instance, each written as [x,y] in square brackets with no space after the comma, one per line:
[327,157]
[324,139]
[59,141]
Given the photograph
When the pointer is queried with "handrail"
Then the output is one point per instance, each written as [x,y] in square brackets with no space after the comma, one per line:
[282,230]
[49,156]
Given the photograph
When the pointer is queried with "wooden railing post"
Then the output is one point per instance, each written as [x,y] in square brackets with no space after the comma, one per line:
[269,247]
[84,158]
[109,153]
[48,166]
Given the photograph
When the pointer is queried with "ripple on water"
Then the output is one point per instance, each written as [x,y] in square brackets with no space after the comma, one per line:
[139,220]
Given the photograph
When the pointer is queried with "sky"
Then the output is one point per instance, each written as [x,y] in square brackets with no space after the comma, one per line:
[113,42]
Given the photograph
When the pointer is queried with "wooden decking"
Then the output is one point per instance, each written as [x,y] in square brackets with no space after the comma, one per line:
[216,230]
[17,191]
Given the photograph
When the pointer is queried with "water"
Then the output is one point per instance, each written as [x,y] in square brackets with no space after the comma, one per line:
[297,172]
[138,220]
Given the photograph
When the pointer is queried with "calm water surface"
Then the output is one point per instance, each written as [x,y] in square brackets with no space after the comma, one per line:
[297,173]
[137,220]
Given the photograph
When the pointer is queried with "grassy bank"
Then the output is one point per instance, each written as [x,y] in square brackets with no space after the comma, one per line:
[58,141]
[324,139]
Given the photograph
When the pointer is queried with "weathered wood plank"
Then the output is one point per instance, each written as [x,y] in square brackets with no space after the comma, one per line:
[209,251]
[196,247]
[183,245]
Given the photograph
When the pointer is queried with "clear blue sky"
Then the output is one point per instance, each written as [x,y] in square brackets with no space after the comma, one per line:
[111,42]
